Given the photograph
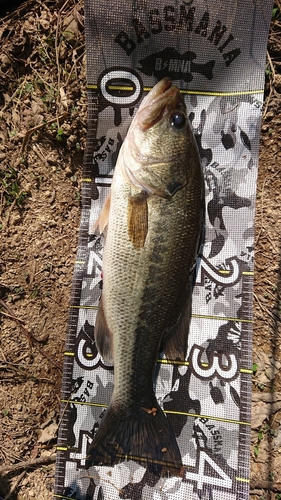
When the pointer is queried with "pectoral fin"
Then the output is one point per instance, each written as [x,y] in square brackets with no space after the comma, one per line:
[103,336]
[102,220]
[137,218]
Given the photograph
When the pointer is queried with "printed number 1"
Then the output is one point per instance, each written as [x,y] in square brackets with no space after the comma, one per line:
[200,478]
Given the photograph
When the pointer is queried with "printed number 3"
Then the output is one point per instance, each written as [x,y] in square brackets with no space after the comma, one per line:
[221,365]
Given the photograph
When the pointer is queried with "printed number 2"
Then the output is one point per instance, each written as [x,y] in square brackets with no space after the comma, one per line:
[224,481]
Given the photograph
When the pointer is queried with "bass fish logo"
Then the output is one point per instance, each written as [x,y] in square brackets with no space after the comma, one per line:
[169,62]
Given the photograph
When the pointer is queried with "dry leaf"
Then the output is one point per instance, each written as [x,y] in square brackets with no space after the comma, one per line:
[47,434]
[260,411]
[63,99]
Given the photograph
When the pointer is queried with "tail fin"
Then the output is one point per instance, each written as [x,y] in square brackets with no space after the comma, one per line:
[142,435]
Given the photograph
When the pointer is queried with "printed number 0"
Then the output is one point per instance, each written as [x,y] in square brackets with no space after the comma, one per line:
[215,368]
[224,481]
[125,75]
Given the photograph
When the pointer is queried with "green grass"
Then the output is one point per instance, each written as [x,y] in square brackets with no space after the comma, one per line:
[10,187]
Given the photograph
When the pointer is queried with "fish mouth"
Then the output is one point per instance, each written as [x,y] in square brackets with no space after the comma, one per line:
[163,98]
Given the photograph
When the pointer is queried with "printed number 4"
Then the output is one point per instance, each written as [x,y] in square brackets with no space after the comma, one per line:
[81,456]
[200,478]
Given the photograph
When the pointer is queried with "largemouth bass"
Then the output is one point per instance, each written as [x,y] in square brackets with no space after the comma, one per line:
[154,218]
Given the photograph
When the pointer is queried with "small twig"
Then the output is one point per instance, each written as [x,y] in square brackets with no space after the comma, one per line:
[8,103]
[10,395]
[29,336]
[53,361]
[19,11]
[41,125]
[15,485]
[275,174]
[264,309]
[1,202]
[20,93]
[262,200]
[278,4]
[3,354]
[44,6]
[277,293]
[74,65]
[57,63]
[10,316]
[266,397]
[38,152]
[267,102]
[8,214]
[271,67]
[272,81]
[40,76]
[259,302]
[64,5]
[265,485]
[57,58]
[26,333]
[28,464]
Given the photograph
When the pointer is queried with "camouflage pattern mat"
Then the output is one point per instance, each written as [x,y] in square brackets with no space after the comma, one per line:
[215,53]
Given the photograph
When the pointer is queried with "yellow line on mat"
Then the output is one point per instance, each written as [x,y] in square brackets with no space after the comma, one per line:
[227,271]
[191,92]
[237,92]
[222,318]
[172,362]
[246,370]
[186,363]
[242,479]
[119,87]
[100,405]
[161,361]
[209,417]
[171,412]
[84,307]
[60,496]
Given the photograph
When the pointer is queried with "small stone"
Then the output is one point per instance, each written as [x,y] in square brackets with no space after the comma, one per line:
[5,61]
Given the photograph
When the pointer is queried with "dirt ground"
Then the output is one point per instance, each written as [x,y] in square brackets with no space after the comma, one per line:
[43,108]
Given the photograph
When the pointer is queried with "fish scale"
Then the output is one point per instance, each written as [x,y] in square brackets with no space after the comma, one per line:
[142,313]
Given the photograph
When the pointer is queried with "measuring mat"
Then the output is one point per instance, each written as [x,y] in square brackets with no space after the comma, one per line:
[215,53]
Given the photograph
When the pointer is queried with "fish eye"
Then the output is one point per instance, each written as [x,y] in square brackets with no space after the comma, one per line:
[178,120]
